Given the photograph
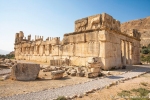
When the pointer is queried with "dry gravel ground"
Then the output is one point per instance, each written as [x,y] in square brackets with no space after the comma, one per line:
[111,93]
[10,87]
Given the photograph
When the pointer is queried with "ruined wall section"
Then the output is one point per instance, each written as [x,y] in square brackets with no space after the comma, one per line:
[37,50]
[95,36]
[142,25]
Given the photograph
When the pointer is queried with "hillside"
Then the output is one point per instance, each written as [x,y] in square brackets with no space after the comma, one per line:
[142,25]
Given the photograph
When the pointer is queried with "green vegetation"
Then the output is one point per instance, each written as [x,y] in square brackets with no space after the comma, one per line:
[145,54]
[8,56]
[136,94]
[124,93]
[61,98]
[141,91]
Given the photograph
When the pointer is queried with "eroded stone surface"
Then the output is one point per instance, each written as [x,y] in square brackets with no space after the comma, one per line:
[97,36]
[57,74]
[25,71]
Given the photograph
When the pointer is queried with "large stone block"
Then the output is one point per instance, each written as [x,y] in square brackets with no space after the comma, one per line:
[103,36]
[25,71]
[95,70]
[57,74]
[95,65]
[55,50]
[92,49]
[108,22]
[91,36]
[80,38]
[81,24]
[68,49]
[92,75]
[94,22]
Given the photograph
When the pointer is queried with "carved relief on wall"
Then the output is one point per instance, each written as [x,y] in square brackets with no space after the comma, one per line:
[110,23]
[95,22]
[106,20]
[80,25]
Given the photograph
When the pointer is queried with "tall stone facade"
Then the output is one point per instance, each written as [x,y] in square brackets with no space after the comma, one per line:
[97,37]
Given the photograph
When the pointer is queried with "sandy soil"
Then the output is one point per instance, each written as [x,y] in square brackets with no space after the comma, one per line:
[10,87]
[111,93]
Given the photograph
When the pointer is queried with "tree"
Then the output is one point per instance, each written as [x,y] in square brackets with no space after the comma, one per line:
[143,58]
[145,51]
[148,58]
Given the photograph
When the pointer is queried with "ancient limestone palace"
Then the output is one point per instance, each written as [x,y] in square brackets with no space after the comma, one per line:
[97,38]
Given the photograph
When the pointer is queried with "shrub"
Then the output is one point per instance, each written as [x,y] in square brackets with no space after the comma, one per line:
[124,93]
[61,98]
[141,91]
[145,51]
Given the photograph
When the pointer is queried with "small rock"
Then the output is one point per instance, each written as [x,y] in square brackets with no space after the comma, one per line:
[5,76]
[7,61]
[80,95]
[86,94]
[108,73]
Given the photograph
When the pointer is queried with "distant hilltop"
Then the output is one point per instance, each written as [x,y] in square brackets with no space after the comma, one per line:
[142,25]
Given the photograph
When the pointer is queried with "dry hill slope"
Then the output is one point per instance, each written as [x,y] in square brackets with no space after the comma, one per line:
[142,25]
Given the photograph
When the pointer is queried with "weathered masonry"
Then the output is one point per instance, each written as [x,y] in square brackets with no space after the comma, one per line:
[97,37]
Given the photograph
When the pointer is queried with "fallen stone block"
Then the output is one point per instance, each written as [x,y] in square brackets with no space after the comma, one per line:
[95,70]
[92,75]
[80,74]
[57,74]
[25,71]
[7,61]
[73,72]
[94,65]
[5,76]
[4,65]
[47,70]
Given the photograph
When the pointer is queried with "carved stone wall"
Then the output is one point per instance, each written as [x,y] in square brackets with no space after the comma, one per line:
[95,36]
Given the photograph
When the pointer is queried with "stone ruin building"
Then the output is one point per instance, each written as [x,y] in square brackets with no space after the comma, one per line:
[98,37]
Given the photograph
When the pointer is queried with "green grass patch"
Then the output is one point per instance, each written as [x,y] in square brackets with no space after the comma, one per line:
[124,93]
[61,98]
[136,94]
[141,91]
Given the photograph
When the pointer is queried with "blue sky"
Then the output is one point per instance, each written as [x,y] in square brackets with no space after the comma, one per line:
[51,18]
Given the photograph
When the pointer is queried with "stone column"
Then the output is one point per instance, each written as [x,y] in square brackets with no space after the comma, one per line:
[43,49]
[29,50]
[37,52]
[123,52]
[130,53]
[34,49]
[127,52]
